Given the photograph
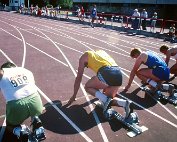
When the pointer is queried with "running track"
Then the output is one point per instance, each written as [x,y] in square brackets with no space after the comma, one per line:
[51,49]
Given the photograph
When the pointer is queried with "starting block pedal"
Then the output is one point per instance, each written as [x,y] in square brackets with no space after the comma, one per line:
[161,96]
[132,123]
[133,134]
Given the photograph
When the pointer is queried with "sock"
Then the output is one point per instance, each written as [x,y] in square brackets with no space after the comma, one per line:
[152,83]
[16,131]
[165,87]
[101,96]
[121,102]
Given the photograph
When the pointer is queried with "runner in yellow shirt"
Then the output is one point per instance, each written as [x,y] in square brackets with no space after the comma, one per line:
[108,78]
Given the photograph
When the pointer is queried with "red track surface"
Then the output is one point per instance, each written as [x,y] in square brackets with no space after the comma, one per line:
[50,46]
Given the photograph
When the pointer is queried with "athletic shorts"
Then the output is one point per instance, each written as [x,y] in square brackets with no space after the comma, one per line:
[111,75]
[17,111]
[162,73]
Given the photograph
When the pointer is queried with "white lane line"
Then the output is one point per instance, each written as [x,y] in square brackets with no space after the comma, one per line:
[65,117]
[82,87]
[23,40]
[24,47]
[23,62]
[34,48]
[2,116]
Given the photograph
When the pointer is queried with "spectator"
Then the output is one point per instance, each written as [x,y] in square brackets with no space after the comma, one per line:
[82,13]
[58,9]
[171,34]
[144,15]
[39,12]
[79,13]
[31,9]
[153,22]
[135,19]
[93,15]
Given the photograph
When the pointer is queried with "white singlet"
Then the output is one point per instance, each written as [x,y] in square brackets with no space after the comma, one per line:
[17,83]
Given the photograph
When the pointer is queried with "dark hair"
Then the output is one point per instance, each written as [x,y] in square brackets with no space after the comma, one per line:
[164,48]
[8,65]
[135,51]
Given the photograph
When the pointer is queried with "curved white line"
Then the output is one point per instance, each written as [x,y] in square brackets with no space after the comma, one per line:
[24,47]
[34,48]
[24,44]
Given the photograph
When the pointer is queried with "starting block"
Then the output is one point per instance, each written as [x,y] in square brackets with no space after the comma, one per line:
[132,123]
[26,135]
[159,95]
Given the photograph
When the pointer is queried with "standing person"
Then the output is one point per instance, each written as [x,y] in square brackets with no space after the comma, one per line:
[31,9]
[82,13]
[144,15]
[58,9]
[153,22]
[136,19]
[22,101]
[79,13]
[156,71]
[93,15]
[170,52]
[108,78]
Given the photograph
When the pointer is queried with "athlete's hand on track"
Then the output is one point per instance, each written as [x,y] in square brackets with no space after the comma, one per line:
[126,88]
[71,100]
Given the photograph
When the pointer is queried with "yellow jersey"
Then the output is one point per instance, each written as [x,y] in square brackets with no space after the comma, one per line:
[98,59]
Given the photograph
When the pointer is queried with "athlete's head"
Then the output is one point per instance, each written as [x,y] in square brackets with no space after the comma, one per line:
[164,49]
[8,65]
[135,52]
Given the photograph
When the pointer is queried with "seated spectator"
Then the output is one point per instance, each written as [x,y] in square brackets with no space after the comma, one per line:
[171,34]
[39,12]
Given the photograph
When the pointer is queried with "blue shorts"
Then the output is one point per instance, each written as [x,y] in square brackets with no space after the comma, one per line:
[111,75]
[162,73]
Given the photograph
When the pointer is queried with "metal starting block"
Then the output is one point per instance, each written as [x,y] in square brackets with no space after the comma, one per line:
[28,136]
[161,96]
[132,122]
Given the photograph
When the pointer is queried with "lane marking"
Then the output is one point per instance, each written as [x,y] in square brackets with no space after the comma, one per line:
[34,48]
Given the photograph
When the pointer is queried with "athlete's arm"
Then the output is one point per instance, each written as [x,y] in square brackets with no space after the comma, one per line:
[168,54]
[82,62]
[1,74]
[141,59]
